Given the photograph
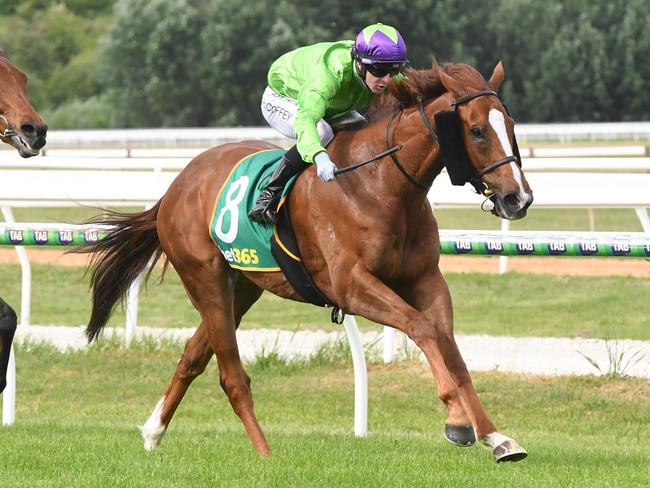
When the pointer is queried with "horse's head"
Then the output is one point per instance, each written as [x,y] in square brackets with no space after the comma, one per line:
[20,125]
[487,155]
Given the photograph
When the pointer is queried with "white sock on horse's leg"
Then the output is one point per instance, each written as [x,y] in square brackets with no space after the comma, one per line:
[153,429]
[494,439]
[503,447]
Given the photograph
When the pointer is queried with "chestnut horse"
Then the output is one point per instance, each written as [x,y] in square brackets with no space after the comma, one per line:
[369,240]
[22,128]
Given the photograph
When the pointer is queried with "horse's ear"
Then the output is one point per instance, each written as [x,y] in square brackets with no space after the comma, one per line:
[452,85]
[497,77]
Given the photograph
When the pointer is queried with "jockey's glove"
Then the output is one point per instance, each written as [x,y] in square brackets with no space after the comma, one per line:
[324,166]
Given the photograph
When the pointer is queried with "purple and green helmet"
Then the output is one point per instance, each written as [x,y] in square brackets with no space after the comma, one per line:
[380,44]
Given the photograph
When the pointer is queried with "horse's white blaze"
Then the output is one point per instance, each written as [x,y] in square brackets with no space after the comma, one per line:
[498,123]
[494,439]
[153,430]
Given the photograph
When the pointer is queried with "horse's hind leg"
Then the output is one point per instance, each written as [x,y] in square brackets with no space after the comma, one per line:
[210,282]
[7,330]
[192,363]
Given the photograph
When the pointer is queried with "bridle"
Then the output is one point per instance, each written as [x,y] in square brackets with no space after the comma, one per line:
[8,132]
[478,184]
[483,93]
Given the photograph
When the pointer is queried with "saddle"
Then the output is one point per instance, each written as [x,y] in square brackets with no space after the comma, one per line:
[252,246]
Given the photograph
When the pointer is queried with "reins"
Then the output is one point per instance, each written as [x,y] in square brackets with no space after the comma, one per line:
[476,182]
[392,150]
[374,158]
[399,110]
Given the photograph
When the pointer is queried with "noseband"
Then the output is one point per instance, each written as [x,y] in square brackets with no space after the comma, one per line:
[475,179]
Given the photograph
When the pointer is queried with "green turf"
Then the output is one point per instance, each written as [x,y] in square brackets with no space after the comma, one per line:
[511,304]
[522,305]
[603,220]
[78,414]
[537,219]
[70,215]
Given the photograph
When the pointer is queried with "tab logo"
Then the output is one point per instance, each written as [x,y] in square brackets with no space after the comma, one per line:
[91,236]
[556,247]
[463,246]
[621,248]
[494,247]
[588,247]
[65,236]
[16,236]
[525,247]
[40,237]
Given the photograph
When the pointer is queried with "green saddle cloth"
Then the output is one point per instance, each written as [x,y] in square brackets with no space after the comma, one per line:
[244,243]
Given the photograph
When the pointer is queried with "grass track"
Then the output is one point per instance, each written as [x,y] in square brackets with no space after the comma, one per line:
[78,414]
[537,219]
[77,417]
[512,304]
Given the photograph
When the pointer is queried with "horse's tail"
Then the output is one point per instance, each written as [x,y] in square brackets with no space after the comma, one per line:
[118,259]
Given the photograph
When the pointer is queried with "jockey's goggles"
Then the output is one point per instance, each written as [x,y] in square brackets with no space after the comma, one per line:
[380,70]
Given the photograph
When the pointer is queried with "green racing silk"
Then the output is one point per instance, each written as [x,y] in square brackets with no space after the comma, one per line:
[323,79]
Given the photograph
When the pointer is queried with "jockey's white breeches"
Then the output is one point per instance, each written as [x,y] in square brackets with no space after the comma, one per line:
[280,113]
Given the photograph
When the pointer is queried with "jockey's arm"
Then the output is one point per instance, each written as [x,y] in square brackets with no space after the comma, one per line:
[313,100]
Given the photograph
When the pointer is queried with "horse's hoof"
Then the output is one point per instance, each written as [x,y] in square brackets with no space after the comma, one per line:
[509,451]
[460,435]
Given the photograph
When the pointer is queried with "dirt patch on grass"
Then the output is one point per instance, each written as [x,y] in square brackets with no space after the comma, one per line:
[549,265]
[627,389]
[44,256]
[453,264]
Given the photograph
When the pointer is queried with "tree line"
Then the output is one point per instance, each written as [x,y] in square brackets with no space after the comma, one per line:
[148,63]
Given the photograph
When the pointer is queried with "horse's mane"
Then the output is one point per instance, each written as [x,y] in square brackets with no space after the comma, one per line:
[422,84]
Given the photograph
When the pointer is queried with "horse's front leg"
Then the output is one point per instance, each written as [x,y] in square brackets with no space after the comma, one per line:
[7,331]
[431,295]
[359,292]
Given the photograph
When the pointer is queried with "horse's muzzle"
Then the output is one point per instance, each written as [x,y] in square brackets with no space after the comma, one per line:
[34,134]
[512,206]
[30,139]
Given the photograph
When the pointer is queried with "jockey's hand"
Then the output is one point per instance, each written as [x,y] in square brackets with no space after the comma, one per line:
[324,166]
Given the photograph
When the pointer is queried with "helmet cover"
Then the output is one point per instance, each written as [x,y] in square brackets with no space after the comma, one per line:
[379,43]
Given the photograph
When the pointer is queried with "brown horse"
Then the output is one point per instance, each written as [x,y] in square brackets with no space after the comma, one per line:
[23,128]
[368,239]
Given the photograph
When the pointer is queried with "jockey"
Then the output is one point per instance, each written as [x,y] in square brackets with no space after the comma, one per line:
[320,82]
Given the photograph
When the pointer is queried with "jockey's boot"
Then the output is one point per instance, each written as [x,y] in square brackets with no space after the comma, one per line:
[264,209]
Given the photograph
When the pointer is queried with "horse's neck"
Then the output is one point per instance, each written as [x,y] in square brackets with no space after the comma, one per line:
[419,155]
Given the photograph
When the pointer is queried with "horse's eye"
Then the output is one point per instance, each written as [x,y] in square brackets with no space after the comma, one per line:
[476,132]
